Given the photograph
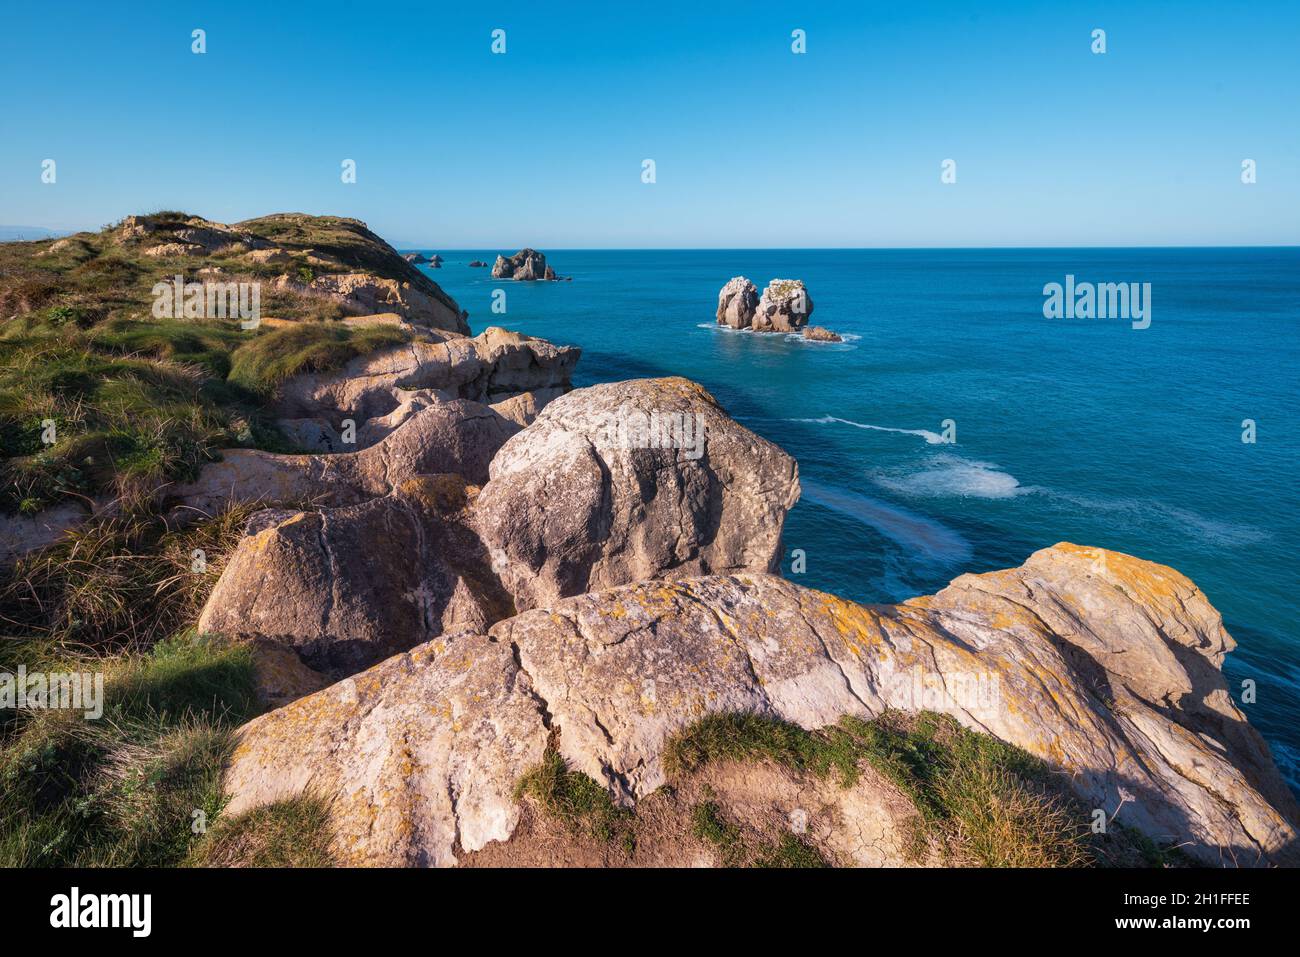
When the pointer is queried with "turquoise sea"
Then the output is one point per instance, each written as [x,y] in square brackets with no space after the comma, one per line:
[1078,430]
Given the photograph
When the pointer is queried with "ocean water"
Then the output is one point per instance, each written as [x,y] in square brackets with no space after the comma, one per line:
[1077,430]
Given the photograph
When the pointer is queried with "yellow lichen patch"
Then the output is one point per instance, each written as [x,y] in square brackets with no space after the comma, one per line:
[851,620]
[1153,581]
[443,492]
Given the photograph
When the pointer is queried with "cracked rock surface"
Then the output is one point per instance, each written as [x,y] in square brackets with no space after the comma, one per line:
[347,587]
[628,481]
[433,435]
[1104,665]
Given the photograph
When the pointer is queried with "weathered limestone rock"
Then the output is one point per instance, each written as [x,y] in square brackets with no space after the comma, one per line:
[164,250]
[784,307]
[488,368]
[737,303]
[434,435]
[347,587]
[267,256]
[281,675]
[20,534]
[594,493]
[367,294]
[1104,665]
[420,759]
[523,409]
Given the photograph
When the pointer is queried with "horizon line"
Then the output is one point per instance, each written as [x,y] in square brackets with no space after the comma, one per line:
[478,249]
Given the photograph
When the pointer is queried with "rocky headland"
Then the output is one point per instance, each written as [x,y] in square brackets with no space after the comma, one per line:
[492,619]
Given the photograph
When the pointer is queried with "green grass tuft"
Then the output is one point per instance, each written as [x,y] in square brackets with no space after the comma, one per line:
[293,833]
[978,798]
[578,801]
[261,364]
[737,849]
[123,790]
[113,584]
[747,737]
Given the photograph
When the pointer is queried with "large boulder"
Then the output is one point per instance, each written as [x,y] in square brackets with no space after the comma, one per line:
[784,307]
[544,527]
[628,481]
[737,303]
[417,757]
[1105,666]
[347,587]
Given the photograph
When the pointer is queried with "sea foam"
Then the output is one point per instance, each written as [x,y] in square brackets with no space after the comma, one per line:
[932,438]
[952,476]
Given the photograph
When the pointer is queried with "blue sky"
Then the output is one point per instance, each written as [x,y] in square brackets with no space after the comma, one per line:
[754,145]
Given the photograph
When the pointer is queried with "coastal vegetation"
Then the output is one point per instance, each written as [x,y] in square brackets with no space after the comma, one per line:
[100,398]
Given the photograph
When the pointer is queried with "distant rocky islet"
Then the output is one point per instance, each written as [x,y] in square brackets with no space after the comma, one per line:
[784,306]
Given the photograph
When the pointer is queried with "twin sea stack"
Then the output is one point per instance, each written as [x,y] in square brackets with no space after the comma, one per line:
[784,307]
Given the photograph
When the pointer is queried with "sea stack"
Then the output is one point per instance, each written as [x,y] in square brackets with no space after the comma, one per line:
[527,264]
[784,307]
[737,303]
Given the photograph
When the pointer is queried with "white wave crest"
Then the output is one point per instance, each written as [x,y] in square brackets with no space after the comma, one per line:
[931,438]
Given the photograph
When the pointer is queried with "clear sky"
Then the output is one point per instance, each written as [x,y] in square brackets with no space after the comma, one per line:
[754,145]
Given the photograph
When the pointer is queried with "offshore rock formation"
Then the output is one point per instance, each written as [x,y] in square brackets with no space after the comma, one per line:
[783,307]
[1105,666]
[821,334]
[527,264]
[737,302]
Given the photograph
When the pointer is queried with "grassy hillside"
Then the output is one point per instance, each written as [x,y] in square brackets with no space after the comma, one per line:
[137,401]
